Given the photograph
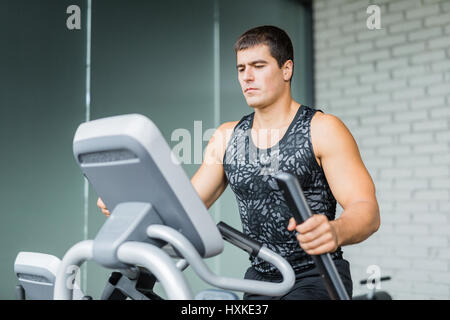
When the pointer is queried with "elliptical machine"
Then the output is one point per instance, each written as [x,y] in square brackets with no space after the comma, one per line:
[153,205]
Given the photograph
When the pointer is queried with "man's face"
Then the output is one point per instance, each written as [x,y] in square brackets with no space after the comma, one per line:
[262,81]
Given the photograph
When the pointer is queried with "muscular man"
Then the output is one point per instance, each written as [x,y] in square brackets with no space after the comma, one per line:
[283,135]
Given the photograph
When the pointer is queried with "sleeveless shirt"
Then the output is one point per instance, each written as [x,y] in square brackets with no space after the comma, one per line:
[263,210]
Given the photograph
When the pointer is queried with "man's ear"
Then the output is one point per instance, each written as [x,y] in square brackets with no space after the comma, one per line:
[287,68]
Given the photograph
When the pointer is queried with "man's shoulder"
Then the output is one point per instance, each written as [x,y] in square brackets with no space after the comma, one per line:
[229,125]
[226,129]
[222,136]
[329,131]
[327,123]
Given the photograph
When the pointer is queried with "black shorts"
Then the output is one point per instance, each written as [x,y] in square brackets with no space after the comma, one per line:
[308,284]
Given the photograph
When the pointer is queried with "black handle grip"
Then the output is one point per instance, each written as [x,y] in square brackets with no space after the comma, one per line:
[299,209]
[297,204]
[239,239]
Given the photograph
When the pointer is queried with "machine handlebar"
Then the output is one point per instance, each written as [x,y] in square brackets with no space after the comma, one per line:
[239,239]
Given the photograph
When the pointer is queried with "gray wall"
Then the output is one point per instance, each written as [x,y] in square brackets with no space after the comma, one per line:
[391,87]
[162,59]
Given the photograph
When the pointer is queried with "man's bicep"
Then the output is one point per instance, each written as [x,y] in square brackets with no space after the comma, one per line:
[344,169]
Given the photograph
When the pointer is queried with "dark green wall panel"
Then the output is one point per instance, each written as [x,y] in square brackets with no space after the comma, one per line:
[41,103]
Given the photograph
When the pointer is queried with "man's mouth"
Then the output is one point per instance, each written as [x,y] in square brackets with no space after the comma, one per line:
[250,89]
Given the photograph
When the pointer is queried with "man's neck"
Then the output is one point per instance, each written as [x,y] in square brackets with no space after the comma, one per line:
[277,115]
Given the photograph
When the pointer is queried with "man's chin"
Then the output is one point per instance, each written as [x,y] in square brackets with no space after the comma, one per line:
[255,104]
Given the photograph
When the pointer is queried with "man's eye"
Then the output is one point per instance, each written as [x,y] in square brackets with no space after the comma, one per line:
[259,66]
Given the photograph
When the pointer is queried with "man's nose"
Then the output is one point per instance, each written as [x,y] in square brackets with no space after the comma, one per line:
[248,75]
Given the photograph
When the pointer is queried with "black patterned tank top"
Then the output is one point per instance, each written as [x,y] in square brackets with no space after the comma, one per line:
[262,208]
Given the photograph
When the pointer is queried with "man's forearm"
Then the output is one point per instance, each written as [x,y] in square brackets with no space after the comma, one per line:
[357,222]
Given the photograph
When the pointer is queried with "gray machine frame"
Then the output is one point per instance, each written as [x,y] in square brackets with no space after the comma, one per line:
[131,167]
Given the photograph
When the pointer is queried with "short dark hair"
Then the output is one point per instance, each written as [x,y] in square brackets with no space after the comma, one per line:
[276,39]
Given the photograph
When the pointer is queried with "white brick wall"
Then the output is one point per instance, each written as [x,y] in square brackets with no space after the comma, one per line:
[391,87]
